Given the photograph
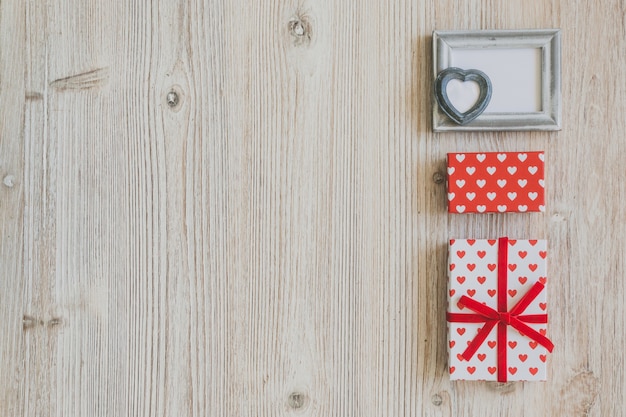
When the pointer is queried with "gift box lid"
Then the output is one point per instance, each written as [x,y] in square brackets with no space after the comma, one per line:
[496,182]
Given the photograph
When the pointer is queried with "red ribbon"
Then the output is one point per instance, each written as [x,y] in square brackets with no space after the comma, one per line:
[502,317]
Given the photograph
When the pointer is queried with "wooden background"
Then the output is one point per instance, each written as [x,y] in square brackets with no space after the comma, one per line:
[274,242]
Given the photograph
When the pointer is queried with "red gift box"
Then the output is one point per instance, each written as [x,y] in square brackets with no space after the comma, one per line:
[496,182]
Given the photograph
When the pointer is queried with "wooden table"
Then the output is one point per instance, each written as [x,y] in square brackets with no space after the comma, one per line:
[235,208]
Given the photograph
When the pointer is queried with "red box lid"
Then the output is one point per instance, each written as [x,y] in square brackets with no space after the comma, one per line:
[496,182]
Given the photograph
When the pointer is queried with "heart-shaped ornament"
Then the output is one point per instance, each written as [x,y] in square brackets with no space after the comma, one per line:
[470,75]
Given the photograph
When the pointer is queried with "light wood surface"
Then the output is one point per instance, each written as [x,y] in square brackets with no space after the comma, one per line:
[274,243]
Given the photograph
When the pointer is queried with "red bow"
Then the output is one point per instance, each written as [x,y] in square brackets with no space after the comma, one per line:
[502,317]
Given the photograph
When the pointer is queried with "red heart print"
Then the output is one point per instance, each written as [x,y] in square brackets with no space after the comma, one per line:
[452,241]
[452,368]
[491,267]
[512,293]
[533,344]
[460,305]
[512,370]
[512,242]
[522,357]
[543,306]
[460,279]
[451,343]
[491,343]
[471,241]
[542,331]
[452,266]
[491,370]
[481,280]
[461,330]
[543,357]
[471,267]
[533,371]
[532,242]
[543,280]
[522,280]
[512,267]
[460,253]
[491,292]
[481,356]
[481,253]
[512,344]
[522,254]
[459,357]
[471,369]
[491,242]
[532,267]
[452,291]
[471,292]
[543,254]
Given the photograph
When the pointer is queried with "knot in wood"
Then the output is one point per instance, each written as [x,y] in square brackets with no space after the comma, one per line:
[296,400]
[437,400]
[9,181]
[300,30]
[438,178]
[172,98]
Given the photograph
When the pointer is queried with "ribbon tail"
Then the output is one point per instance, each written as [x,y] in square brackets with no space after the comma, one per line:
[533,318]
[532,333]
[478,340]
[528,298]
[465,318]
[480,308]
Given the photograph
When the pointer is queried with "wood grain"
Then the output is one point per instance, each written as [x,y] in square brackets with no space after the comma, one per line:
[273,241]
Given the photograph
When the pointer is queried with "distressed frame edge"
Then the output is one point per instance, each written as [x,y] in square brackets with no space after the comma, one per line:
[549,40]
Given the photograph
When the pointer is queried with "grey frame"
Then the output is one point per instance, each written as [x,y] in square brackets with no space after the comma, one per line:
[548,40]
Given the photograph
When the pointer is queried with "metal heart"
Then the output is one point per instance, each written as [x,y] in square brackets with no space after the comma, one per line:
[441,94]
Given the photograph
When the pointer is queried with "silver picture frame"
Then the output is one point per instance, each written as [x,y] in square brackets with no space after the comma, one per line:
[546,41]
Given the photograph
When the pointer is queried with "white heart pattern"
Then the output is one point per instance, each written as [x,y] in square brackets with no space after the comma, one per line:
[476,189]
